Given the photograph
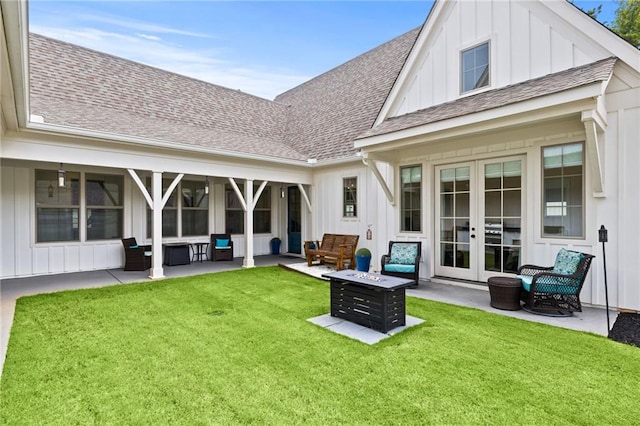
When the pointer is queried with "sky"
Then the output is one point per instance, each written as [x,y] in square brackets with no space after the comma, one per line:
[259,47]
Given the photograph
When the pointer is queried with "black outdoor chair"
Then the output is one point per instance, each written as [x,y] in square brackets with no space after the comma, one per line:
[221,247]
[403,260]
[136,258]
[555,290]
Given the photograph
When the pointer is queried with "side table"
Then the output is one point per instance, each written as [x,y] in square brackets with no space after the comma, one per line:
[505,293]
[200,251]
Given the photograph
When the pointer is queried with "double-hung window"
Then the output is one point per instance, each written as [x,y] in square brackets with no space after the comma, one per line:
[410,198]
[195,208]
[350,197]
[104,198]
[234,213]
[563,191]
[57,208]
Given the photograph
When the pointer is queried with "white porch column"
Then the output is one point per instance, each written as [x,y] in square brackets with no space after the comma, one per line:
[156,223]
[248,225]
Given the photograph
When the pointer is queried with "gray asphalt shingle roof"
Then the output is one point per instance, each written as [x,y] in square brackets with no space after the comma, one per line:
[547,85]
[81,88]
[78,87]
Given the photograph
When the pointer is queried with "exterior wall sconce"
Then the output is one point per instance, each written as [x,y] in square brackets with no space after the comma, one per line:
[61,177]
[281,192]
[206,185]
[50,190]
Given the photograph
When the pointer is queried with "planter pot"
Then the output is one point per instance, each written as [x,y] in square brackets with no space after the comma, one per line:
[275,247]
[363,263]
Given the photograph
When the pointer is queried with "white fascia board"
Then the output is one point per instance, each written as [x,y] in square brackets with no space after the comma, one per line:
[544,107]
[37,147]
[14,24]
[110,137]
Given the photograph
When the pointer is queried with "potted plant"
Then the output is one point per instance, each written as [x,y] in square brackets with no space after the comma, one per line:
[275,245]
[363,259]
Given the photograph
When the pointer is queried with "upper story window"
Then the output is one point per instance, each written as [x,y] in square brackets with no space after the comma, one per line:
[349,197]
[475,67]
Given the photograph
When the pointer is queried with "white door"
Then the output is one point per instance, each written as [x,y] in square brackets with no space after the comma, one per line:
[479,218]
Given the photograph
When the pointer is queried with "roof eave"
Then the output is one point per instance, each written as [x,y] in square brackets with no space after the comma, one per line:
[540,108]
[154,143]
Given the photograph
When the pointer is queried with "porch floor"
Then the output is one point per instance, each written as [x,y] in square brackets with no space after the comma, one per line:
[591,319]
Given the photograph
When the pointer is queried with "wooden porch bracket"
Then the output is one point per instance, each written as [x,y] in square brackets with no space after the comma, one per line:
[371,164]
[304,195]
[234,185]
[142,188]
[594,128]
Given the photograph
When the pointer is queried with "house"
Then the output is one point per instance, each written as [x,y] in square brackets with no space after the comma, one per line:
[495,134]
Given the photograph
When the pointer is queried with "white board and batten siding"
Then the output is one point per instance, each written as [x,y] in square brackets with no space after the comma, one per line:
[527,40]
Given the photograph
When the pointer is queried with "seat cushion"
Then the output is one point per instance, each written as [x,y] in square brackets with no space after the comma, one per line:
[526,281]
[396,267]
[558,288]
[403,254]
[567,262]
[221,243]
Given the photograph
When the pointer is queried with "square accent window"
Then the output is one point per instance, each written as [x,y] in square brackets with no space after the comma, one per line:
[474,72]
[411,202]
[350,197]
[563,191]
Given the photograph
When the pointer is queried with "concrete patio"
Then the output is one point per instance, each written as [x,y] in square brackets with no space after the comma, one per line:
[592,319]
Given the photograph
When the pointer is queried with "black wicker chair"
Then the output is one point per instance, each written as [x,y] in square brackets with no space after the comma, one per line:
[221,252]
[136,258]
[546,291]
[403,268]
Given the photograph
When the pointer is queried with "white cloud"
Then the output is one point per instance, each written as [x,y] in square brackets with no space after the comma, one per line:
[207,64]
[137,25]
[149,37]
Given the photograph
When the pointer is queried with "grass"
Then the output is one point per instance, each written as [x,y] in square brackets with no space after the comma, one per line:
[236,348]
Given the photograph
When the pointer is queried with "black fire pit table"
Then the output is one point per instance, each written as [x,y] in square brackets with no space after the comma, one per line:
[372,300]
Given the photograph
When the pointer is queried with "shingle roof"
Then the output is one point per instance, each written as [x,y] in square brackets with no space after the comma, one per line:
[547,85]
[82,88]
[79,87]
[329,111]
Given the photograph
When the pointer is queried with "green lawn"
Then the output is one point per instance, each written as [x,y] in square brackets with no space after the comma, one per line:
[236,348]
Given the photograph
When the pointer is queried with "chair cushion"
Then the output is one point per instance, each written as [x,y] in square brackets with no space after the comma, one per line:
[134,246]
[403,254]
[395,267]
[567,262]
[148,253]
[558,288]
[526,281]
[221,243]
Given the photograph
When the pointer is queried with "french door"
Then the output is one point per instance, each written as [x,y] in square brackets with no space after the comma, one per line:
[478,210]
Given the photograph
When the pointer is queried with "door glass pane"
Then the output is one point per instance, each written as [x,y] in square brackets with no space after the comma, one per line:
[446,254]
[446,205]
[462,230]
[512,205]
[462,205]
[462,256]
[446,180]
[462,179]
[446,230]
[492,203]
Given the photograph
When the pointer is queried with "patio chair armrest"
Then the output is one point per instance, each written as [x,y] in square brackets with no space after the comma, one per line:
[551,282]
[533,269]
